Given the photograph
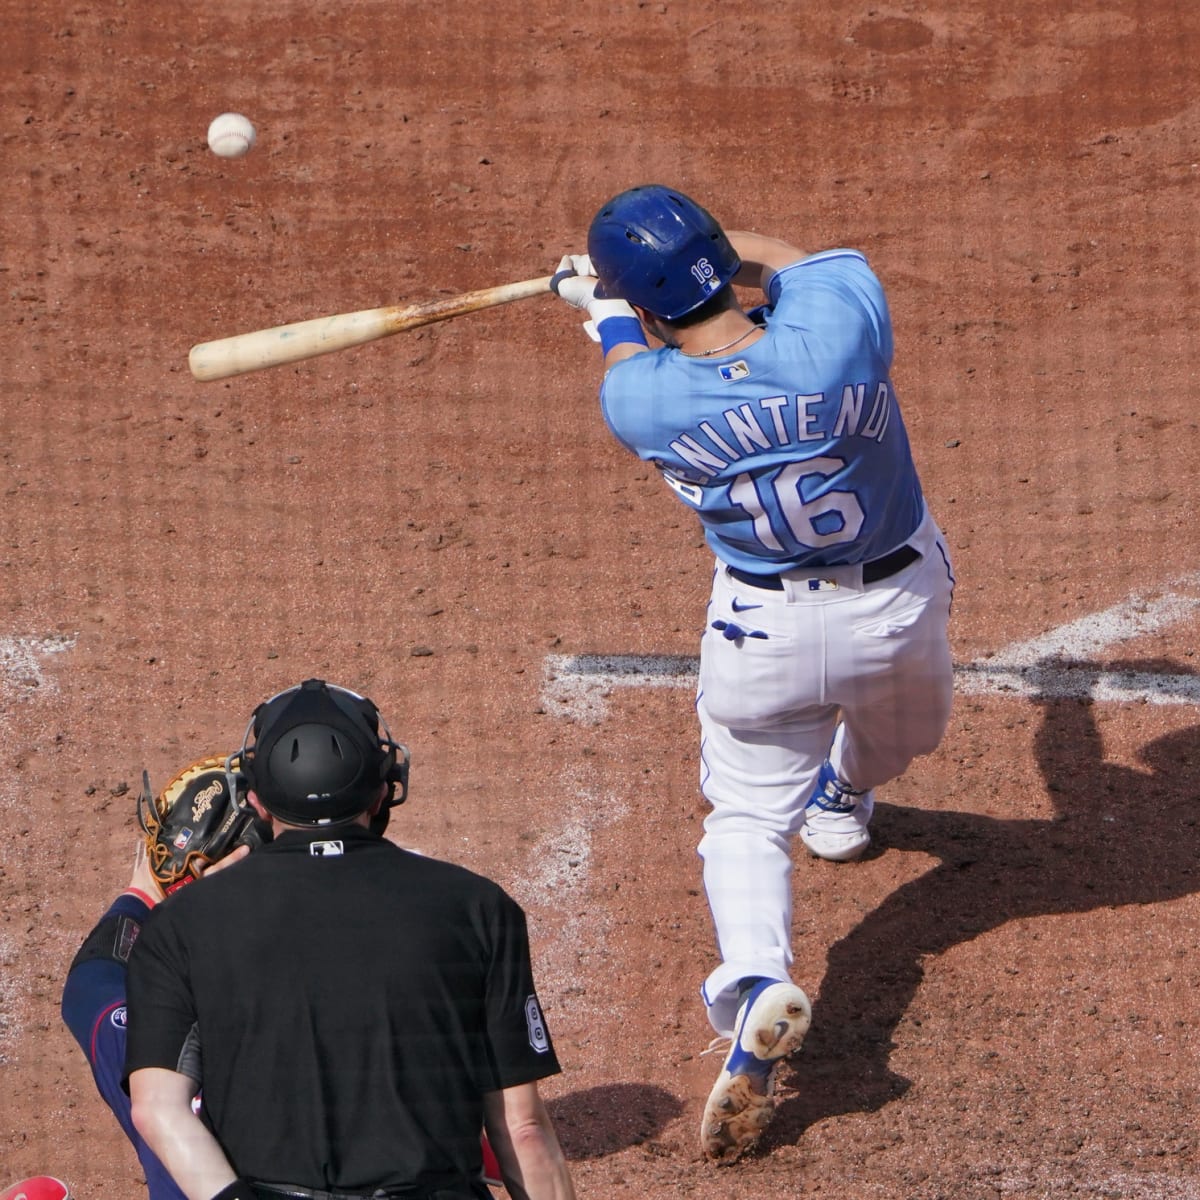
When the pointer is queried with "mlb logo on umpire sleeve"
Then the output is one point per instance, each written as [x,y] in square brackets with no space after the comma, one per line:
[536,1026]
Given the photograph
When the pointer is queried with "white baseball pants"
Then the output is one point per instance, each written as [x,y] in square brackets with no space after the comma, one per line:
[861,674]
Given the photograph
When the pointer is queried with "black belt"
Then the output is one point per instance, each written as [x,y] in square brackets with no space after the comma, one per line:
[872,572]
[293,1192]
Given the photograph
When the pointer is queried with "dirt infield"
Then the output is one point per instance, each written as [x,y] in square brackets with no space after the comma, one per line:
[1006,991]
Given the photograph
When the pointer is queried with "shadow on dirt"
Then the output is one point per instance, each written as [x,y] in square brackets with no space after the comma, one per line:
[603,1120]
[1120,836]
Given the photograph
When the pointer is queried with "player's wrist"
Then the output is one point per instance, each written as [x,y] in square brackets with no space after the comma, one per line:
[607,310]
[142,883]
[621,331]
[149,899]
[616,323]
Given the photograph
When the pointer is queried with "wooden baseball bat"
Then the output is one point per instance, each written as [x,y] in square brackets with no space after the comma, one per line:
[246,352]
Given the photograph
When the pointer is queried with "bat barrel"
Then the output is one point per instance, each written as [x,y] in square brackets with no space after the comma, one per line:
[246,352]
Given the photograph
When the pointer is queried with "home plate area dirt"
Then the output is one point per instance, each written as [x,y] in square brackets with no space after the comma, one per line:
[1006,990]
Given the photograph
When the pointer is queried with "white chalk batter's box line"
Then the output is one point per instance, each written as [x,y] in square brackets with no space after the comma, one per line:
[1055,665]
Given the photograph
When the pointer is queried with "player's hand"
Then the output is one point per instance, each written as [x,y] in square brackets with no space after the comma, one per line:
[228,861]
[574,281]
[581,264]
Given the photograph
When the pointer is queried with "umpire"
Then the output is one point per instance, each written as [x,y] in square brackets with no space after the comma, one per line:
[362,1010]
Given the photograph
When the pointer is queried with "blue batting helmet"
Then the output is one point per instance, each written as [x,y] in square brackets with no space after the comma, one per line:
[658,249]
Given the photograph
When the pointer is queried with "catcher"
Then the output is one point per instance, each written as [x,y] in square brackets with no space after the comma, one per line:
[192,825]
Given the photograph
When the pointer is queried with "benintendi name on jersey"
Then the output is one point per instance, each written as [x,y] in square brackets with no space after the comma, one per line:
[786,424]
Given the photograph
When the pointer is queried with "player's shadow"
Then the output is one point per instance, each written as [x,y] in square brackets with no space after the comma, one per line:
[1119,836]
[603,1120]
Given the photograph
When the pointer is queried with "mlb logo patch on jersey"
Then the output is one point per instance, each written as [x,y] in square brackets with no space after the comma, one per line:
[732,372]
[326,849]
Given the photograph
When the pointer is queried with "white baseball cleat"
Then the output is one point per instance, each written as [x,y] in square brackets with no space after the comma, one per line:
[836,819]
[771,1024]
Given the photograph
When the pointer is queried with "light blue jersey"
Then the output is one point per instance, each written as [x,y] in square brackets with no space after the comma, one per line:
[792,451]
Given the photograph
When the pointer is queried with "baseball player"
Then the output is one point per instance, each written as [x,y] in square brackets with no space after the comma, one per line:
[825,665]
[189,827]
[364,1010]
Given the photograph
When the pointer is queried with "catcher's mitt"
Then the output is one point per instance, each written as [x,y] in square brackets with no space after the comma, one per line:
[194,821]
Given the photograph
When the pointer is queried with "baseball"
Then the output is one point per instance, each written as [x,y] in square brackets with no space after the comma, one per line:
[230,135]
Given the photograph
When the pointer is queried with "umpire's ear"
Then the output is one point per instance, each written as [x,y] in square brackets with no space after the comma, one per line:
[373,807]
[257,805]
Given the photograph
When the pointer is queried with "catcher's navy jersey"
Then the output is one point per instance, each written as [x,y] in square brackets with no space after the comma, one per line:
[791,450]
[93,1008]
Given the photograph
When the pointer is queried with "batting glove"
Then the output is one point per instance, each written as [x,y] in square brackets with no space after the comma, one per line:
[581,264]
[577,287]
[575,283]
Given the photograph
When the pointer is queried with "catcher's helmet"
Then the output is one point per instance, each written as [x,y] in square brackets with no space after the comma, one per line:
[318,758]
[656,248]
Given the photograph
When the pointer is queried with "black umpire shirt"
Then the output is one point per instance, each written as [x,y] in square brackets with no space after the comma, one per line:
[351,1001]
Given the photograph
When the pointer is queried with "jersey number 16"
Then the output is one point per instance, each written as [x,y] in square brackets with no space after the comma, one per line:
[801,515]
